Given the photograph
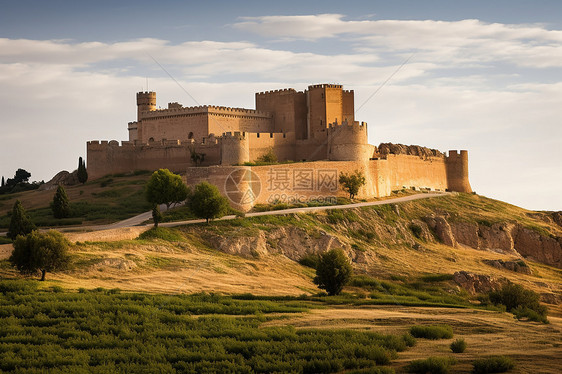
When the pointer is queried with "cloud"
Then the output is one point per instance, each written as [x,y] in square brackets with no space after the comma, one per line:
[464,41]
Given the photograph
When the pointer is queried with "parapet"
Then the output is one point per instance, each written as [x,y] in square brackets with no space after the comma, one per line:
[325,85]
[204,109]
[281,91]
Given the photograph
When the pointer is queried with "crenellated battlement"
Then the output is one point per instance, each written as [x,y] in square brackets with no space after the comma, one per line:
[325,85]
[280,91]
[204,110]
[354,126]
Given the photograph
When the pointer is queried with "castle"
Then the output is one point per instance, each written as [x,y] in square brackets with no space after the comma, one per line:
[313,134]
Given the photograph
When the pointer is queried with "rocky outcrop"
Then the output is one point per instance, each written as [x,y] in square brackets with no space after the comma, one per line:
[442,229]
[518,266]
[545,249]
[477,283]
[557,218]
[63,178]
[413,150]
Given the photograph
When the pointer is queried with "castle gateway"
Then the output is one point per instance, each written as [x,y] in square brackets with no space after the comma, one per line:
[313,134]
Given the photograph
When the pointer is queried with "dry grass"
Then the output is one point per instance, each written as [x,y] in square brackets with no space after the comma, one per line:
[534,346]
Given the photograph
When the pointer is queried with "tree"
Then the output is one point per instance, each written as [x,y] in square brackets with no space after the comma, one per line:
[352,182]
[206,201]
[61,204]
[82,172]
[20,223]
[333,271]
[156,215]
[196,158]
[3,183]
[40,251]
[165,187]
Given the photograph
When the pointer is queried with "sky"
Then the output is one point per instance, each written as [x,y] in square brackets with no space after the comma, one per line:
[485,76]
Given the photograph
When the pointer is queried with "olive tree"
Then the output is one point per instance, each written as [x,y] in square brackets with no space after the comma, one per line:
[40,251]
[333,271]
[165,187]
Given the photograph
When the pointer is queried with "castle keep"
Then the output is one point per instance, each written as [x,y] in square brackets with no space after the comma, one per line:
[315,128]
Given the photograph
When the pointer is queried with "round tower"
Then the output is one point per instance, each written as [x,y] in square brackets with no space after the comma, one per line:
[349,142]
[235,149]
[457,171]
[146,101]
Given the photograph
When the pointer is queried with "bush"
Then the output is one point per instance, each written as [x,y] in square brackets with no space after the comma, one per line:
[436,277]
[458,346]
[432,331]
[520,301]
[492,364]
[333,271]
[311,260]
[432,365]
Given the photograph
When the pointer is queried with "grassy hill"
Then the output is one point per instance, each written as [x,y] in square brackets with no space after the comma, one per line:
[106,200]
[404,257]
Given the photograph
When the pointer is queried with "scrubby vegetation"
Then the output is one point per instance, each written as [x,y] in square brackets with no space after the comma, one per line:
[432,365]
[492,364]
[458,346]
[108,331]
[521,302]
[432,332]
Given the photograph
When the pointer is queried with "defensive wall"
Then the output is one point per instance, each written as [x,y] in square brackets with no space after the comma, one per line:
[301,182]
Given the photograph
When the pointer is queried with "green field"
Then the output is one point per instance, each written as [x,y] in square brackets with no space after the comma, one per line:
[106,331]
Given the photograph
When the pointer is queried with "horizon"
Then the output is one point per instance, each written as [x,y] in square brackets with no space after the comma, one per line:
[482,77]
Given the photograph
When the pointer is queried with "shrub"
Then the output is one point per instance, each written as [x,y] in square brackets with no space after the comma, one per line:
[333,271]
[458,346]
[436,277]
[492,364]
[520,301]
[432,365]
[310,259]
[268,158]
[432,331]
[416,230]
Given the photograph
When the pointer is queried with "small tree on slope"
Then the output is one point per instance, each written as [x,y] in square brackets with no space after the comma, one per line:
[40,251]
[20,223]
[206,202]
[333,271]
[165,187]
[82,172]
[61,204]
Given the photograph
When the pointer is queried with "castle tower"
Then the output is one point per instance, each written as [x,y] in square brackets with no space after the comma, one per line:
[457,171]
[349,142]
[235,148]
[146,101]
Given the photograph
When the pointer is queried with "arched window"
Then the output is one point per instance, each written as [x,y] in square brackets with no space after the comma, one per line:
[190,136]
[151,139]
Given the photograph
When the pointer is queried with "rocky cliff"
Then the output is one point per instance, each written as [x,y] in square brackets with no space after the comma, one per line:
[413,150]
